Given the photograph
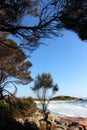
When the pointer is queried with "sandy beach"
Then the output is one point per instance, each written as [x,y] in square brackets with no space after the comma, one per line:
[37,102]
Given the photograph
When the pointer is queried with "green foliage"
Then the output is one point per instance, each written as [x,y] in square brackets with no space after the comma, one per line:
[4,109]
[20,107]
[64,98]
[44,88]
[13,63]
[43,80]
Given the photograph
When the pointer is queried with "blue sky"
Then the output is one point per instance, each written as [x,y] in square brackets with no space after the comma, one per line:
[66,59]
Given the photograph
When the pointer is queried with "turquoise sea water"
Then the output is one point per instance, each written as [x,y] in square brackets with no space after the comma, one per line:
[74,109]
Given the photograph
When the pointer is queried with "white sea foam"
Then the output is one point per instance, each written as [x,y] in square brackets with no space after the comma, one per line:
[76,109]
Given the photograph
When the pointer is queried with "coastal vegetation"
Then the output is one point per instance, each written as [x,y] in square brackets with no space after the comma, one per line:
[65,98]
[18,107]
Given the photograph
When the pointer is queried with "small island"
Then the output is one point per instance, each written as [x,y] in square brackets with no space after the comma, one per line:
[67,98]
[62,98]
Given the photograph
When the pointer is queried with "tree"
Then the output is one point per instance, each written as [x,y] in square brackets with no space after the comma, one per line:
[44,90]
[47,14]
[50,16]
[14,67]
[11,18]
[74,17]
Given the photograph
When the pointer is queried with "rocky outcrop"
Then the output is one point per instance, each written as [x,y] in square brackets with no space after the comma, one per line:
[56,123]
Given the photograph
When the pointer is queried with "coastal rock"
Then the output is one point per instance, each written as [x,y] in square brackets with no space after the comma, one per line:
[83,122]
[52,117]
[76,128]
[32,120]
[59,129]
[38,115]
[20,120]
[56,123]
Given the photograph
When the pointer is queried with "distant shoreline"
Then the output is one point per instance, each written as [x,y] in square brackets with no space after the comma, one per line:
[63,99]
[37,101]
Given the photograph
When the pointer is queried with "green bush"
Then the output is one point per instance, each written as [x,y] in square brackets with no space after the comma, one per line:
[18,107]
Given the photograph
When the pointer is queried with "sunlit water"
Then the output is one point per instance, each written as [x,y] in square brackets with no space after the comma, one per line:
[74,109]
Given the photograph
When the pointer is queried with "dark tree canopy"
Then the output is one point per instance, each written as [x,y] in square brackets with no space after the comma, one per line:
[51,17]
[46,13]
[11,18]
[74,17]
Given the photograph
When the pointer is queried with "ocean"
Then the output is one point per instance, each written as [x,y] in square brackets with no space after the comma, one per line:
[67,108]
[74,109]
